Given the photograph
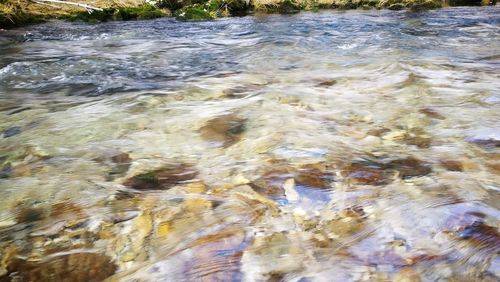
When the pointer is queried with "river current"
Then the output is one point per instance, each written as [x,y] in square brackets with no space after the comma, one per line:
[329,146]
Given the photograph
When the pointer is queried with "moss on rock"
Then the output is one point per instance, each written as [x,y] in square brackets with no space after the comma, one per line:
[142,12]
[290,7]
[195,12]
[422,5]
[15,13]
[414,5]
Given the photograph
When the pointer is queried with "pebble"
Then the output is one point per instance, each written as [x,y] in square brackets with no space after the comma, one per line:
[225,130]
[162,178]
[12,131]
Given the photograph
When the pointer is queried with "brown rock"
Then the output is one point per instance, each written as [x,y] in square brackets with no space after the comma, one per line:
[121,158]
[347,223]
[29,214]
[363,173]
[217,257]
[419,141]
[327,83]
[121,161]
[407,275]
[224,130]
[313,177]
[66,208]
[74,267]
[418,137]
[452,165]
[431,113]
[494,166]
[126,195]
[272,181]
[470,165]
[163,178]
[239,91]
[409,167]
[379,131]
[484,141]
[481,235]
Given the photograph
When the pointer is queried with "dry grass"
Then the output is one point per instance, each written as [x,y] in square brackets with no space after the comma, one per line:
[261,5]
[326,2]
[265,5]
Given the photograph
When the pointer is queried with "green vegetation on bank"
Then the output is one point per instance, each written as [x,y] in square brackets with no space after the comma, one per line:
[142,12]
[21,12]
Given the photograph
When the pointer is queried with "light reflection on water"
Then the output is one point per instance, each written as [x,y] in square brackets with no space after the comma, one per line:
[331,146]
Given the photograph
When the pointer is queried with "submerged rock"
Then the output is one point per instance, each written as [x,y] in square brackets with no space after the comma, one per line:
[313,177]
[494,166]
[273,256]
[121,158]
[162,178]
[418,137]
[431,113]
[6,171]
[11,131]
[409,167]
[72,266]
[241,90]
[414,136]
[272,182]
[217,257]
[225,130]
[29,214]
[327,83]
[452,165]
[482,238]
[364,173]
[378,131]
[484,141]
[346,223]
[121,162]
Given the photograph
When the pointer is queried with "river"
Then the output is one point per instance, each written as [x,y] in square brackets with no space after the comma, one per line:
[329,146]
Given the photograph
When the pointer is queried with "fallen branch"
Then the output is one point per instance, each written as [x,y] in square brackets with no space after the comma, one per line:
[47,4]
[87,7]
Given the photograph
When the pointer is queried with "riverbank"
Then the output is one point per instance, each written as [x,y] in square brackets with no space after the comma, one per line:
[15,13]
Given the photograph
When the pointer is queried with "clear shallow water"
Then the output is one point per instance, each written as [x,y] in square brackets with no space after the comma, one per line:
[332,146]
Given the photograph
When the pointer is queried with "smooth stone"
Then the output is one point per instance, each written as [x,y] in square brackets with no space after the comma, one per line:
[409,167]
[364,173]
[327,83]
[71,266]
[429,112]
[162,178]
[452,165]
[9,132]
[224,130]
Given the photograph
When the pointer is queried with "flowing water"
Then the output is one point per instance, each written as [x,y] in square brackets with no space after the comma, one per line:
[330,146]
